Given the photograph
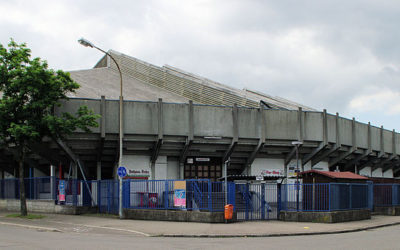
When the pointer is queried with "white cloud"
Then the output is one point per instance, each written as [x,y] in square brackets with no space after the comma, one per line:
[385,100]
[325,54]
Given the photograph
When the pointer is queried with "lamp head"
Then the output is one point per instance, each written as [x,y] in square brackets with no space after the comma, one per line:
[297,143]
[85,43]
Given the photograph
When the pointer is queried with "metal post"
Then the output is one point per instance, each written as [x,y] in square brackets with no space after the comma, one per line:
[86,43]
[297,178]
[226,180]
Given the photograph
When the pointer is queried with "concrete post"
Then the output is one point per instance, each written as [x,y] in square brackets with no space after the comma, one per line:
[181,171]
[99,170]
[53,181]
[153,170]
[74,171]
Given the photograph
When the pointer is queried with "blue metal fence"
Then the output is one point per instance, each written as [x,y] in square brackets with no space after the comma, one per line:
[251,201]
[325,197]
[196,194]
[387,195]
[108,196]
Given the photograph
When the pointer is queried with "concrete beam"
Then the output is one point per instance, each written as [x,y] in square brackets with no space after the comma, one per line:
[324,155]
[185,150]
[341,157]
[355,160]
[300,124]
[315,151]
[290,156]
[388,162]
[159,142]
[190,136]
[261,140]
[382,149]
[103,117]
[72,156]
[235,138]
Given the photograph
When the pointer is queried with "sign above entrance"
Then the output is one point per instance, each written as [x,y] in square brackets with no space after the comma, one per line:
[272,172]
[202,159]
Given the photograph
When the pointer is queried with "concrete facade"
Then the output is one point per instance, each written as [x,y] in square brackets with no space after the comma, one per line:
[255,131]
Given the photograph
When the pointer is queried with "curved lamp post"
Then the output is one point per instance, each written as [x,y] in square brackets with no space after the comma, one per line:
[87,43]
[297,144]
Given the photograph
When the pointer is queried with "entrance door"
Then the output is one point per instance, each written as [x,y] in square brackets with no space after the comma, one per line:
[203,168]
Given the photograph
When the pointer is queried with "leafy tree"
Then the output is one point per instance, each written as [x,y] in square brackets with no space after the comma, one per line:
[29,93]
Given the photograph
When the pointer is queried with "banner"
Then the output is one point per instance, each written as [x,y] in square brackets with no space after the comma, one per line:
[61,190]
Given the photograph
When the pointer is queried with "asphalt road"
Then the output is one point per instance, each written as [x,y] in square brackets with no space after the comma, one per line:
[12,237]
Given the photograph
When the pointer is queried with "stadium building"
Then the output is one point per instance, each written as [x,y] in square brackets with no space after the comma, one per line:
[177,125]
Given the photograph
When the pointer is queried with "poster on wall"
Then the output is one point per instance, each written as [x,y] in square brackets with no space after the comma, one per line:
[180,198]
[180,194]
[292,167]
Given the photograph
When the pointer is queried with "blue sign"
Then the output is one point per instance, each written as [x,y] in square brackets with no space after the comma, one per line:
[121,171]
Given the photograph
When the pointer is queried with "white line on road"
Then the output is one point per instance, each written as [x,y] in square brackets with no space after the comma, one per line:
[101,227]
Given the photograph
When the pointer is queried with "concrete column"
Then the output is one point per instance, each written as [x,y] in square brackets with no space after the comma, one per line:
[74,171]
[99,170]
[53,181]
[153,170]
[181,171]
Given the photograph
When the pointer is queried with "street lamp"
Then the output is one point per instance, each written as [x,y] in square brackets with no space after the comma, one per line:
[297,144]
[87,43]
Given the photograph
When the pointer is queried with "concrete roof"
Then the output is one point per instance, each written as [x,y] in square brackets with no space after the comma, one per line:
[147,82]
[105,81]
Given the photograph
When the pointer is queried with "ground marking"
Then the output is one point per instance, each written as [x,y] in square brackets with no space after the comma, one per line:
[110,228]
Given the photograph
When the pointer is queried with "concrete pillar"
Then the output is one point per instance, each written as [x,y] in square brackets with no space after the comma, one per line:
[153,171]
[181,171]
[53,181]
[99,170]
[74,171]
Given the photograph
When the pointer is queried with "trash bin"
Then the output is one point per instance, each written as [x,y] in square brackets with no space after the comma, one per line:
[228,211]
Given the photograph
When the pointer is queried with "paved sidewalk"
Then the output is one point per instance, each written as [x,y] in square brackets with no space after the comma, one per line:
[110,224]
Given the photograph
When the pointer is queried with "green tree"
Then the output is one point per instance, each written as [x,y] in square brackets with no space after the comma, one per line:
[30,91]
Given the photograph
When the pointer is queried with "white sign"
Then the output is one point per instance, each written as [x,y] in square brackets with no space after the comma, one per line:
[272,172]
[292,170]
[259,178]
[202,159]
[190,160]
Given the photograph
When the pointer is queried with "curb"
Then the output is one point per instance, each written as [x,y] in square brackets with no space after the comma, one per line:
[273,234]
[46,229]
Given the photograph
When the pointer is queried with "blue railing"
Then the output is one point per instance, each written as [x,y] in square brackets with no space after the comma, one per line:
[387,195]
[252,200]
[325,197]
[201,194]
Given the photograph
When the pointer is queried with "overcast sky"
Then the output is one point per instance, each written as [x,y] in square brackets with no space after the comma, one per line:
[340,55]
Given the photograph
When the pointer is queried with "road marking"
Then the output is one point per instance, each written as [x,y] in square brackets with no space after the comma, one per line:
[101,227]
[50,229]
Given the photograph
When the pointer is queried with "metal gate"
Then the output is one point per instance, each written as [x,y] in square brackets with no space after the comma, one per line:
[256,201]
[108,196]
